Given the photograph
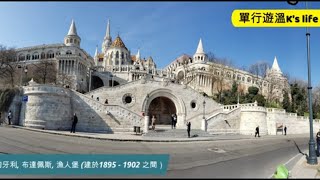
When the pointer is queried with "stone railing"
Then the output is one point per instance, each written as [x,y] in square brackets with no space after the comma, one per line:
[275,110]
[122,112]
[253,108]
[46,89]
[222,116]
[200,115]
[234,106]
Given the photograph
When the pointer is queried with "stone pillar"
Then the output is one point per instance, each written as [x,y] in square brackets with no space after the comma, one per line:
[204,124]
[181,121]
[146,124]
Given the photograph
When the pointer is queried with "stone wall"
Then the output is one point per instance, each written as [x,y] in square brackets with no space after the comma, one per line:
[143,91]
[48,107]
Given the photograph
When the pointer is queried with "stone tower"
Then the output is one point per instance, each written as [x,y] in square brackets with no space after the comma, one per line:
[72,38]
[107,41]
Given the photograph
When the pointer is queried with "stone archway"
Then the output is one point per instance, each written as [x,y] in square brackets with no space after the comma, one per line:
[96,82]
[162,108]
[165,95]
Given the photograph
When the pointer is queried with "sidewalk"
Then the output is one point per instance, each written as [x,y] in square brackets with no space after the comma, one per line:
[300,170]
[304,170]
[131,136]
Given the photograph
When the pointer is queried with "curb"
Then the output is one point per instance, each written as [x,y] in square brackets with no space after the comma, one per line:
[132,140]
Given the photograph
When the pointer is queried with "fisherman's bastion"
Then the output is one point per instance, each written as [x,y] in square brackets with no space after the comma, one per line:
[115,91]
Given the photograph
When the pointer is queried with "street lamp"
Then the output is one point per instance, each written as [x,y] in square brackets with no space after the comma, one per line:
[26,72]
[312,158]
[204,122]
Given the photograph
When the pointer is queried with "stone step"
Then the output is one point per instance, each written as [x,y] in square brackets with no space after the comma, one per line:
[177,133]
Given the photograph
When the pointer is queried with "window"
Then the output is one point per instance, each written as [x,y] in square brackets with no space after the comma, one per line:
[43,55]
[50,54]
[122,55]
[22,57]
[35,55]
[71,40]
[28,56]
[117,54]
[68,52]
[58,53]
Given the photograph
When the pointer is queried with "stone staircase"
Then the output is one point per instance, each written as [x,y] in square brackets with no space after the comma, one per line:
[118,118]
[166,131]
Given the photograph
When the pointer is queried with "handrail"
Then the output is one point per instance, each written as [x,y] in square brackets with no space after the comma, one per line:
[106,105]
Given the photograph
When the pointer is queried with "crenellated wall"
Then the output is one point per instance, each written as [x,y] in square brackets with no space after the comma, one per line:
[48,107]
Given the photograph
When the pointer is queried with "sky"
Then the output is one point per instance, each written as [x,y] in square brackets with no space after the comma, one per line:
[165,31]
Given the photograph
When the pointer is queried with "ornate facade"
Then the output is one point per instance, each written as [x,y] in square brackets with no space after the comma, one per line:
[115,65]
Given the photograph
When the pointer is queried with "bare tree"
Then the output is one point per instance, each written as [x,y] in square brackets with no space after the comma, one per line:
[45,72]
[7,65]
[259,68]
[64,80]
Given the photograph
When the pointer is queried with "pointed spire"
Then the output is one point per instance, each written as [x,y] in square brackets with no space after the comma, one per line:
[200,48]
[138,55]
[108,29]
[72,29]
[96,53]
[275,65]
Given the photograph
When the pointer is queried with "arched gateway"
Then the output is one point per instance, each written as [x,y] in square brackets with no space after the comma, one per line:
[163,103]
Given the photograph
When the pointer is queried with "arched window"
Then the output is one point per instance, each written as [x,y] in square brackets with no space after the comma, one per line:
[67,41]
[22,57]
[58,53]
[35,55]
[248,79]
[201,57]
[71,40]
[28,56]
[111,55]
[122,55]
[68,52]
[117,54]
[50,54]
[43,55]
[75,41]
[243,78]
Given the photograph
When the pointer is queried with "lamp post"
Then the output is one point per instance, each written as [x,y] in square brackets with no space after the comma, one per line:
[312,158]
[26,72]
[204,122]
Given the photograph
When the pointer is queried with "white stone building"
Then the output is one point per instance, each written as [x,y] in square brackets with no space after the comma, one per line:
[126,90]
[72,62]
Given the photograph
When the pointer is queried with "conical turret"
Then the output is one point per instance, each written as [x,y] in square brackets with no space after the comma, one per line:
[200,55]
[72,38]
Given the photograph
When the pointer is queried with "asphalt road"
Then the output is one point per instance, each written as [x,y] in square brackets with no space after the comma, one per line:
[212,159]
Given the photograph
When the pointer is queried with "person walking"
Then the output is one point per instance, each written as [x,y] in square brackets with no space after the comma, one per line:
[318,142]
[172,121]
[10,117]
[285,130]
[74,123]
[189,128]
[257,132]
[153,121]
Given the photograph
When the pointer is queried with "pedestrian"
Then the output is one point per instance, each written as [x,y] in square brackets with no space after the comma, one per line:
[285,130]
[318,142]
[189,128]
[172,121]
[74,123]
[153,120]
[10,117]
[257,132]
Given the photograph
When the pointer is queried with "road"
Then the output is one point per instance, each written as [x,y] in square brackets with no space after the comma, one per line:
[229,158]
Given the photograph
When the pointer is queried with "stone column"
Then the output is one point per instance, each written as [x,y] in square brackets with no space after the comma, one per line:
[203,124]
[146,124]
